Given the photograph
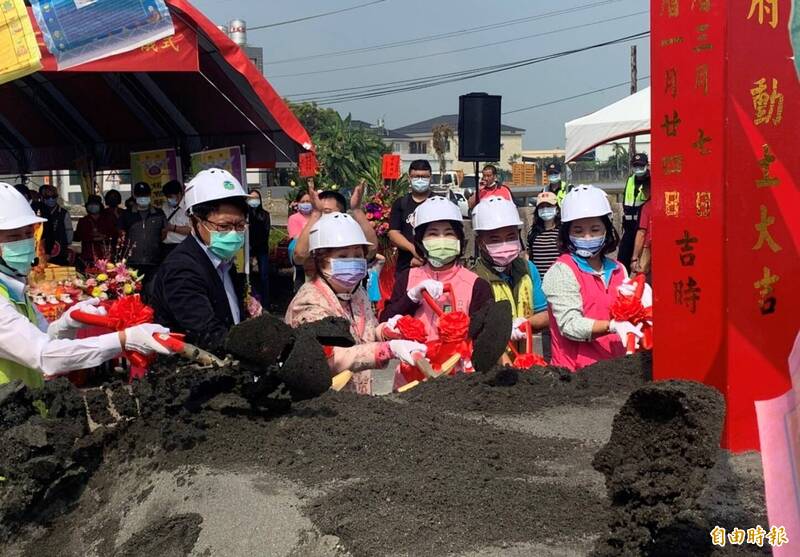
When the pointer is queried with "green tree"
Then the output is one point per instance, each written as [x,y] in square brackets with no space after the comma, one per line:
[345,152]
[442,134]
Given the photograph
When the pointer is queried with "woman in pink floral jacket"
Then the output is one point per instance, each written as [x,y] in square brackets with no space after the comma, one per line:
[338,246]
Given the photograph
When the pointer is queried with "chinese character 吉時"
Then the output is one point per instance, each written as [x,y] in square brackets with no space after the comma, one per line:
[761,8]
[672,203]
[766,180]
[768,105]
[764,237]
[687,294]
[687,249]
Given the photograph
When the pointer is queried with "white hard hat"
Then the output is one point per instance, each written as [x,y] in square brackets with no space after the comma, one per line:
[211,185]
[494,213]
[15,211]
[584,202]
[436,208]
[336,230]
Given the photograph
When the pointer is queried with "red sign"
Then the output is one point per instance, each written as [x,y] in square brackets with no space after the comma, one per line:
[390,169]
[725,167]
[308,165]
[177,53]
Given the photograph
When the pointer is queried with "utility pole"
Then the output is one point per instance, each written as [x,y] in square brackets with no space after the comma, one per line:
[634,88]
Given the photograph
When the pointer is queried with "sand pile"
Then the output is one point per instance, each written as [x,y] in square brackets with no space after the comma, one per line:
[488,464]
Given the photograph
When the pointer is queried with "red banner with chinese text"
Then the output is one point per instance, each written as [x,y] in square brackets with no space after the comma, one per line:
[725,167]
[390,166]
[177,53]
[307,165]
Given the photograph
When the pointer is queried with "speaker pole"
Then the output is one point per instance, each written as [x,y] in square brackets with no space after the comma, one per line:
[477,200]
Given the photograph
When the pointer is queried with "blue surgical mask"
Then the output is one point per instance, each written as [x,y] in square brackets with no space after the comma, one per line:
[587,247]
[547,213]
[554,178]
[640,170]
[172,202]
[254,203]
[304,208]
[226,244]
[143,202]
[19,255]
[421,185]
[93,209]
[347,272]
[51,202]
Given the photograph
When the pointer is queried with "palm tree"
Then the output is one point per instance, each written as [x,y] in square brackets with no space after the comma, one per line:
[442,134]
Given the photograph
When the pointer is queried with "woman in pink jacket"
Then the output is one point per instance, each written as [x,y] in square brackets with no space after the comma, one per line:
[439,239]
[583,283]
[338,247]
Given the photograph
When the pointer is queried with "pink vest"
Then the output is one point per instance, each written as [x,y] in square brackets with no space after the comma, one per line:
[462,281]
[597,302]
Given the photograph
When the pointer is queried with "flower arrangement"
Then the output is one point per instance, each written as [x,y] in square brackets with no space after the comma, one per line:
[110,281]
[378,209]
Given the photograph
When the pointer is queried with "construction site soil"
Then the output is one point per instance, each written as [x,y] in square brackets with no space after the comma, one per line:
[208,462]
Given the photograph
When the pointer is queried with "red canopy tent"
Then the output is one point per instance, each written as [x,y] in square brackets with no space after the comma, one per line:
[195,90]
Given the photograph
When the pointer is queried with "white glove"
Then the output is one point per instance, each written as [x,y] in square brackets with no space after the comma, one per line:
[516,332]
[622,328]
[65,326]
[140,339]
[391,324]
[647,296]
[627,288]
[404,350]
[87,306]
[433,287]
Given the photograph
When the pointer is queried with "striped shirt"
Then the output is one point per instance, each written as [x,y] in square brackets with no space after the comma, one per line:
[544,250]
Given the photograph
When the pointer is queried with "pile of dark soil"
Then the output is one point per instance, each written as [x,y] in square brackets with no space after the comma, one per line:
[436,471]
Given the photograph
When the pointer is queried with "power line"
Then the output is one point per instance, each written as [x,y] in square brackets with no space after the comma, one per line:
[381,89]
[586,94]
[434,54]
[315,16]
[442,36]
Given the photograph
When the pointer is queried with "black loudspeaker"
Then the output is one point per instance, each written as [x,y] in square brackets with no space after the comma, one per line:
[479,127]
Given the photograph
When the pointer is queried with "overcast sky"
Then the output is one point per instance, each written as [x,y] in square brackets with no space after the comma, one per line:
[391,21]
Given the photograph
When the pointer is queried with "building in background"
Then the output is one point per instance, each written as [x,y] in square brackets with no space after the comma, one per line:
[415,141]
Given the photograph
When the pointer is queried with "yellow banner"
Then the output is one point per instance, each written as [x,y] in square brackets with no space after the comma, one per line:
[19,53]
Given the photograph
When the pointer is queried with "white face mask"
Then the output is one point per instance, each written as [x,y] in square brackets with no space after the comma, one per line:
[547,213]
[640,170]
[554,178]
[420,185]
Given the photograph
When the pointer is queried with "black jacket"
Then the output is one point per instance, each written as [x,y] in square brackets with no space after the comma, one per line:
[188,296]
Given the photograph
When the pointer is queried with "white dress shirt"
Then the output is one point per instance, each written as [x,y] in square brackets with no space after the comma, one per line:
[222,268]
[26,344]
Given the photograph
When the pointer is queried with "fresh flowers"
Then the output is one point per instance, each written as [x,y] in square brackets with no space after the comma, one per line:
[110,281]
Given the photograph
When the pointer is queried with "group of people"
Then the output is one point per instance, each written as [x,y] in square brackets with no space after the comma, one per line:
[564,284]
[140,232]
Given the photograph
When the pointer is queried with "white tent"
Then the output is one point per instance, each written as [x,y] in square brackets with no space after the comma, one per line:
[627,117]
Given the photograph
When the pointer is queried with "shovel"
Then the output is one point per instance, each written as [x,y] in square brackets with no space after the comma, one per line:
[173,341]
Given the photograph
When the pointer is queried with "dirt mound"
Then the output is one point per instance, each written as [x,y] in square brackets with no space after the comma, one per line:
[174,537]
[540,387]
[663,446]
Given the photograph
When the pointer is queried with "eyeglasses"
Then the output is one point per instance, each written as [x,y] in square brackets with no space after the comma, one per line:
[238,226]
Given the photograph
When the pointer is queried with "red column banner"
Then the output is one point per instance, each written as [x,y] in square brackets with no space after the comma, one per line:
[725,167]
[390,169]
[308,165]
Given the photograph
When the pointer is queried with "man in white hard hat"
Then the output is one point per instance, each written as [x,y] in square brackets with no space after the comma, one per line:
[197,290]
[27,352]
